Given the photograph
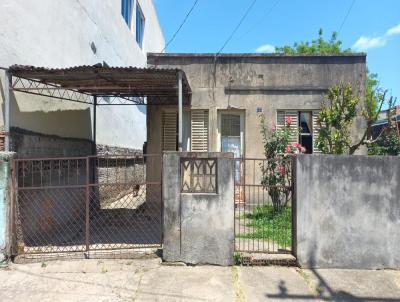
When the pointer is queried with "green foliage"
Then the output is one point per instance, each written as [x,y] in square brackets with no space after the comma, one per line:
[337,140]
[334,46]
[372,94]
[387,144]
[317,46]
[336,118]
[237,258]
[270,222]
[276,170]
[388,141]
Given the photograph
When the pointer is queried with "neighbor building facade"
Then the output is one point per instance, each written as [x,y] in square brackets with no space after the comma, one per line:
[59,34]
[382,121]
[230,91]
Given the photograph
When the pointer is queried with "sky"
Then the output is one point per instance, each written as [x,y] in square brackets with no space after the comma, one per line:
[371,26]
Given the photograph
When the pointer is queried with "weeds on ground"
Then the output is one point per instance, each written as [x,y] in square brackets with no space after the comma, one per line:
[237,258]
[269,222]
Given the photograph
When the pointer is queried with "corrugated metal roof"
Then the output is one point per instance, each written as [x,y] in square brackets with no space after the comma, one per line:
[254,55]
[102,80]
[384,121]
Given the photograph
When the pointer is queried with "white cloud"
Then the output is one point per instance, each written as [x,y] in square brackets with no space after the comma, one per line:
[395,30]
[364,43]
[266,48]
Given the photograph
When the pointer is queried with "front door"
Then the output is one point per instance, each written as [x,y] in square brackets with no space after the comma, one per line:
[231,125]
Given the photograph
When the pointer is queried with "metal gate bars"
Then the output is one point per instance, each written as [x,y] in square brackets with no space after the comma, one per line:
[263,219]
[82,204]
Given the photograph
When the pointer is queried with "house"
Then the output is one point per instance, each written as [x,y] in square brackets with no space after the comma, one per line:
[61,34]
[382,122]
[230,91]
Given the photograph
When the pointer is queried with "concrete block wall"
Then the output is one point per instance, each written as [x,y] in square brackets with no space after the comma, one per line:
[348,211]
[198,227]
[29,144]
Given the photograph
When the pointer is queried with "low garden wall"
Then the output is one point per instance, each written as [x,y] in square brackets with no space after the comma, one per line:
[348,211]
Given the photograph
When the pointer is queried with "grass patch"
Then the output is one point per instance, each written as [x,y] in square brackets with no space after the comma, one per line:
[269,223]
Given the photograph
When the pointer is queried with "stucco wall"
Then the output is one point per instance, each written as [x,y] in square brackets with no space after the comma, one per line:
[348,211]
[270,82]
[198,227]
[5,200]
[58,33]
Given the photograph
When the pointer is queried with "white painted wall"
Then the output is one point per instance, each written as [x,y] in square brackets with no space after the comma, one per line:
[58,33]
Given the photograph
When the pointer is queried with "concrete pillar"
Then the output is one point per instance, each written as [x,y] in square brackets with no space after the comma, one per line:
[180,111]
[6,204]
[198,227]
[7,104]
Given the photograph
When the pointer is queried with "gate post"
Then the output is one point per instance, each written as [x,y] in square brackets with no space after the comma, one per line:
[198,196]
[10,190]
[294,206]
[87,206]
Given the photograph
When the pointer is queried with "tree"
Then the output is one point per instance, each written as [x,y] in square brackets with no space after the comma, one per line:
[276,171]
[388,140]
[337,115]
[336,118]
[372,91]
[334,46]
[317,46]
[335,136]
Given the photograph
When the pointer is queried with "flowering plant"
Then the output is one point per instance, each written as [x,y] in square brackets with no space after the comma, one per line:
[276,171]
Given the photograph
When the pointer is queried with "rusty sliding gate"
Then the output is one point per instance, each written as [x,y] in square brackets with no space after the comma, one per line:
[264,220]
[84,204]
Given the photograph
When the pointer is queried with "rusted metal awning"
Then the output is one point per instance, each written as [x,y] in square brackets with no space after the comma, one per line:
[99,85]
[100,81]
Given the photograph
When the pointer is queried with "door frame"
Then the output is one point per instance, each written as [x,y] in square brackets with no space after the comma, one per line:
[239,112]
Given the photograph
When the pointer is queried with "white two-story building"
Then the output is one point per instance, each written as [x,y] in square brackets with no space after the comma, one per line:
[59,34]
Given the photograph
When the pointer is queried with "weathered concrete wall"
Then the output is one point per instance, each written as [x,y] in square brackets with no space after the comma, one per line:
[59,33]
[5,181]
[28,144]
[348,211]
[271,82]
[198,228]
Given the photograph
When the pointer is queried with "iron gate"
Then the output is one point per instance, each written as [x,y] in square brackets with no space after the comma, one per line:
[83,204]
[262,225]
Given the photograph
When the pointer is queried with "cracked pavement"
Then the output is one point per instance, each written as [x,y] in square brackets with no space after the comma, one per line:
[150,280]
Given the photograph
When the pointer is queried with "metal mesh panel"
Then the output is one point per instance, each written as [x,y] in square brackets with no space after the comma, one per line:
[261,225]
[91,203]
[51,220]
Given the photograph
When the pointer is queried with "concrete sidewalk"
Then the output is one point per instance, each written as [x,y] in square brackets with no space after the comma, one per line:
[149,280]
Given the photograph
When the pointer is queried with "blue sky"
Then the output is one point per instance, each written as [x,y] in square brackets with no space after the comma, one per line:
[373,26]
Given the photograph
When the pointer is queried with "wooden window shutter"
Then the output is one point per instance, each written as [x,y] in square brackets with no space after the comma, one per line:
[169,131]
[2,141]
[199,130]
[315,131]
[280,122]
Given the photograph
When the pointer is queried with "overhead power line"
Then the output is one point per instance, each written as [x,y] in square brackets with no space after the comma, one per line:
[180,26]
[347,15]
[267,13]
[237,26]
